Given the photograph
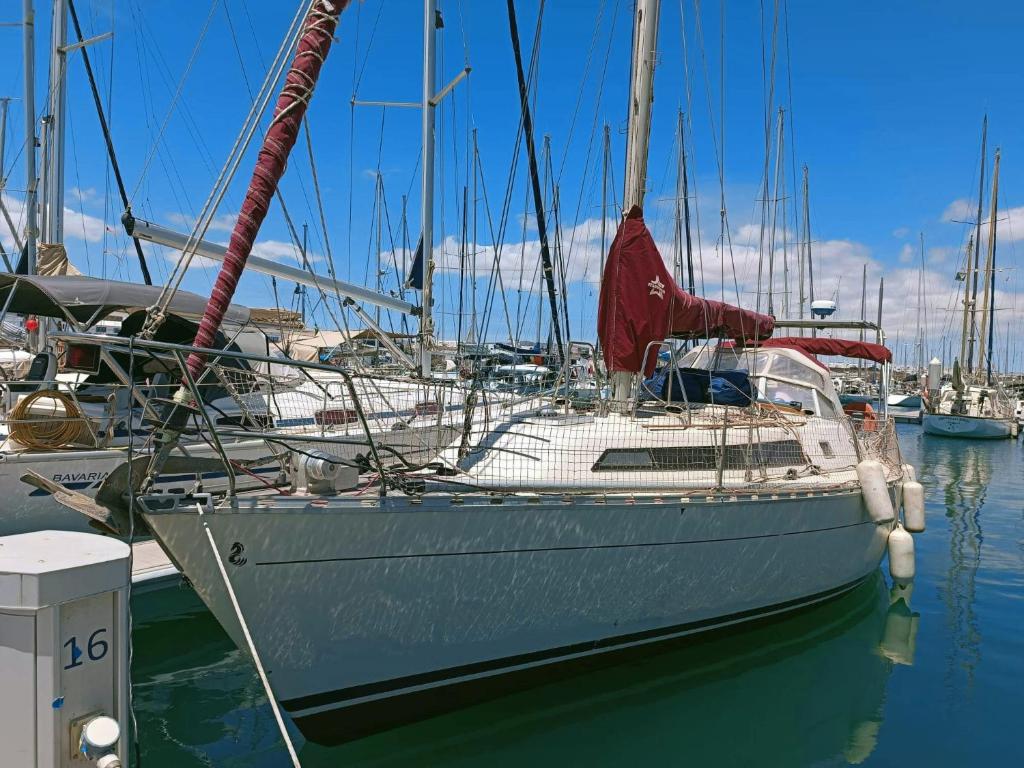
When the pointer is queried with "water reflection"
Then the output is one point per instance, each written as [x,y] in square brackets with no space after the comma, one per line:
[796,691]
[967,470]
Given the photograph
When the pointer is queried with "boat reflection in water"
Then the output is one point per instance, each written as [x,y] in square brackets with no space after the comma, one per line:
[796,691]
[969,470]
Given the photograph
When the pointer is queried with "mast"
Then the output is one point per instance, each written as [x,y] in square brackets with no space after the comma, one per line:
[379,190]
[56,124]
[641,98]
[5,102]
[921,278]
[476,174]
[977,248]
[683,234]
[430,20]
[538,197]
[31,178]
[807,241]
[114,166]
[605,161]
[686,209]
[863,307]
[775,211]
[968,304]
[987,303]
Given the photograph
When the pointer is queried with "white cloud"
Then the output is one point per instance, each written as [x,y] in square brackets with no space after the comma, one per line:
[222,222]
[907,253]
[900,233]
[958,210]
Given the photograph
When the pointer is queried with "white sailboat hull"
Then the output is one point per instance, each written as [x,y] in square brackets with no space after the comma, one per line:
[966,426]
[369,613]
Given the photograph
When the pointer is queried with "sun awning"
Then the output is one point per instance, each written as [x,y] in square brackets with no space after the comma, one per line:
[90,299]
[641,304]
[859,350]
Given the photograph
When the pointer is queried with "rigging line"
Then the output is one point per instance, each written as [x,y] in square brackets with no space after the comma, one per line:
[593,133]
[688,82]
[107,139]
[369,47]
[496,278]
[583,81]
[177,94]
[524,102]
[231,165]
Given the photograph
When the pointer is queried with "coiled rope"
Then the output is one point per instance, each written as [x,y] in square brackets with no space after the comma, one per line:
[49,431]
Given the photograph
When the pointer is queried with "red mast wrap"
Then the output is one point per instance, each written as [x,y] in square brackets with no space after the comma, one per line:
[310,53]
[641,303]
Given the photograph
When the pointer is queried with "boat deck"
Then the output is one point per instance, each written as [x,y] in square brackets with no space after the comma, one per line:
[151,568]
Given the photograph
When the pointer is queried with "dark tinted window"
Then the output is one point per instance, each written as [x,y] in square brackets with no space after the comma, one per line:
[778,453]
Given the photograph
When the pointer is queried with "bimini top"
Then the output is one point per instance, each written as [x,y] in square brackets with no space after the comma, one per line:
[87,300]
[859,350]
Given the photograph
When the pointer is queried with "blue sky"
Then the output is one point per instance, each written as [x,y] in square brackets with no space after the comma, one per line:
[886,101]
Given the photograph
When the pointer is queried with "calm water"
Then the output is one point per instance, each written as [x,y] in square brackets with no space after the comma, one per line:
[832,685]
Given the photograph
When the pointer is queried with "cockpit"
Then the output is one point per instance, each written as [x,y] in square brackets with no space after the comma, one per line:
[781,376]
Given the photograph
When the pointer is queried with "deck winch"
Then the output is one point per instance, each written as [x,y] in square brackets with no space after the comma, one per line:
[322,473]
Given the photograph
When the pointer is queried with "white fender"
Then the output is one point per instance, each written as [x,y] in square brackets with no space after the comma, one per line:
[913,506]
[873,487]
[909,473]
[901,554]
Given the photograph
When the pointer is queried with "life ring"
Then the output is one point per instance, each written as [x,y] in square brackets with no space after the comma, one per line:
[867,418]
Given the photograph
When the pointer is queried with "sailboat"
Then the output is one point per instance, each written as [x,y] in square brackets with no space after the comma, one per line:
[975,406]
[543,536]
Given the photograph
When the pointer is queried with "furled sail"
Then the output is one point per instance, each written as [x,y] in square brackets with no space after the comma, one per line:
[641,303]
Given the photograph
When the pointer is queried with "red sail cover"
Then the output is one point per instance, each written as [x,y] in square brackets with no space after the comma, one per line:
[313,47]
[860,350]
[641,303]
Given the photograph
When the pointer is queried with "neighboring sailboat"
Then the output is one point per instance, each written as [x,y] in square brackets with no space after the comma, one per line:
[976,406]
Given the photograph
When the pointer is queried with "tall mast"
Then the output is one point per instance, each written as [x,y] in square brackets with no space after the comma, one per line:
[677,220]
[987,318]
[427,194]
[863,307]
[977,248]
[641,98]
[476,174]
[5,102]
[968,304]
[31,178]
[807,241]
[775,210]
[379,190]
[538,197]
[683,234]
[606,157]
[686,210]
[921,276]
[56,125]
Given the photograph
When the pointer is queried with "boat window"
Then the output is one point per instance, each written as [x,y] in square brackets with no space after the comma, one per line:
[777,453]
[784,393]
[787,368]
